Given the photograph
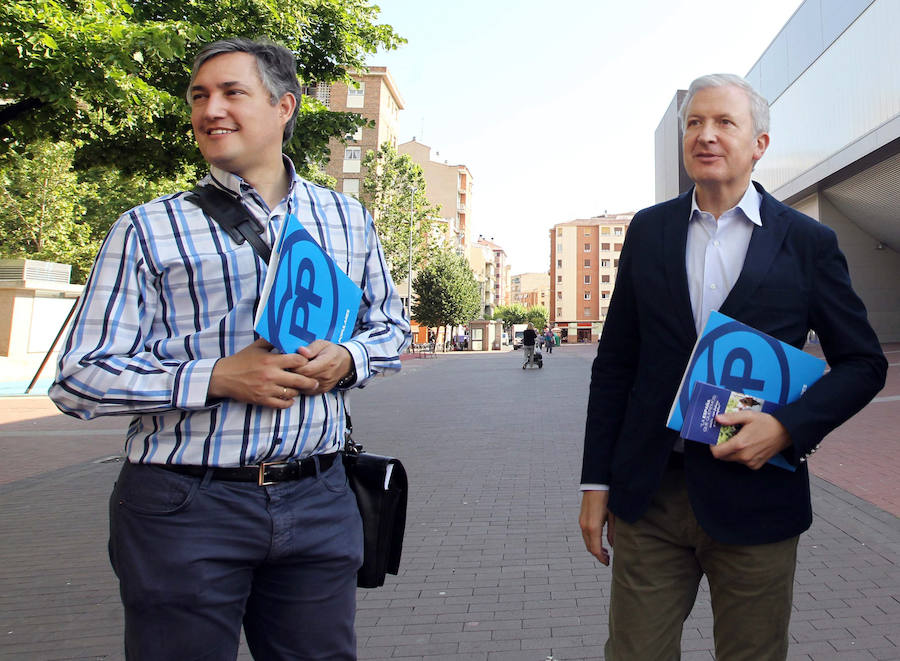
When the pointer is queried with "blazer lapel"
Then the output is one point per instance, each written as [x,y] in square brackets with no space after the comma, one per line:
[674,246]
[765,242]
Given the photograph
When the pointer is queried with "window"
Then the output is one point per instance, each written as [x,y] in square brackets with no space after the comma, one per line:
[559,296]
[587,263]
[559,278]
[604,246]
[618,247]
[604,295]
[587,247]
[559,247]
[357,135]
[559,231]
[587,279]
[559,263]
[356,96]
[587,313]
[352,157]
[617,231]
[604,230]
[587,231]
[616,263]
[587,295]
[604,263]
[558,312]
[351,187]
[604,278]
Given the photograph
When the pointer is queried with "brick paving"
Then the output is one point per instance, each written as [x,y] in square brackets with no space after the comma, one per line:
[494,567]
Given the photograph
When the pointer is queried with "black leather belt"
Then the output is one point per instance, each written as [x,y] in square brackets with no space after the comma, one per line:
[263,474]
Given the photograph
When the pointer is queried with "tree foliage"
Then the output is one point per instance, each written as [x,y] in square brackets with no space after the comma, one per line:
[40,211]
[511,314]
[110,76]
[538,316]
[393,190]
[446,291]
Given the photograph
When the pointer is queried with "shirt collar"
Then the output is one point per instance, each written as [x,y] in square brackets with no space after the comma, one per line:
[749,204]
[235,184]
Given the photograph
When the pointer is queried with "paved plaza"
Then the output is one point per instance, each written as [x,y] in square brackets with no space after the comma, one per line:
[494,568]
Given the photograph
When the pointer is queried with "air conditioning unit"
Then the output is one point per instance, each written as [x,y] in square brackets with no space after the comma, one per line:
[32,269]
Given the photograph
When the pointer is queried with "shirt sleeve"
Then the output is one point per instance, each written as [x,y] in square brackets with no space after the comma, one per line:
[106,366]
[382,329]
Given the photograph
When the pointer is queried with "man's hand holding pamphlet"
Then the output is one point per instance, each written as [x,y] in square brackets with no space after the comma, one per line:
[735,367]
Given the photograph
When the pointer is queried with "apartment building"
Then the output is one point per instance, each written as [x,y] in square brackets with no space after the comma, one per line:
[584,257]
[375,97]
[448,186]
[530,289]
[501,284]
[483,264]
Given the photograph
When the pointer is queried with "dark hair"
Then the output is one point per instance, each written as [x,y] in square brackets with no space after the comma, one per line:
[276,65]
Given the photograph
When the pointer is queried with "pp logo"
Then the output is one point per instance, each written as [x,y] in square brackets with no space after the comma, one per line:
[306,291]
[732,357]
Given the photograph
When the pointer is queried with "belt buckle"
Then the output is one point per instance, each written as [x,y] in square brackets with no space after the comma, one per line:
[261,480]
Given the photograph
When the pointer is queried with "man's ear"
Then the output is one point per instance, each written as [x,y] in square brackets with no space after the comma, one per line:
[286,106]
[762,143]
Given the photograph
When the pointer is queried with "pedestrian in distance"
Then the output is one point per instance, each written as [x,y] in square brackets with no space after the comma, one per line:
[529,338]
[674,510]
[232,508]
[548,340]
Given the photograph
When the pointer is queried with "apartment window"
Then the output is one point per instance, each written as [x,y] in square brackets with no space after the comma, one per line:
[356,95]
[352,156]
[587,295]
[617,231]
[559,247]
[587,231]
[604,295]
[587,247]
[559,296]
[587,263]
[559,263]
[604,246]
[357,135]
[558,312]
[604,278]
[351,187]
[559,278]
[587,279]
[604,230]
[604,263]
[587,313]
[559,231]
[618,247]
[616,263]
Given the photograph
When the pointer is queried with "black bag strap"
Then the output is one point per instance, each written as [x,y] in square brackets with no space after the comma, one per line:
[232,217]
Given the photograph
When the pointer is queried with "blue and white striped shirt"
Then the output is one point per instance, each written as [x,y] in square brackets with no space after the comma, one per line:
[170,293]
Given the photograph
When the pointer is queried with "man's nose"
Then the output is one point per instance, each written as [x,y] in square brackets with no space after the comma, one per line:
[215,106]
[707,132]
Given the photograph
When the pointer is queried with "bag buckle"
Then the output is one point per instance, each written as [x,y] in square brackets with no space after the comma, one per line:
[263,467]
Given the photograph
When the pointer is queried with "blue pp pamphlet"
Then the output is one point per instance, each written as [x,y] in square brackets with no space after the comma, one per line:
[742,359]
[707,401]
[306,296]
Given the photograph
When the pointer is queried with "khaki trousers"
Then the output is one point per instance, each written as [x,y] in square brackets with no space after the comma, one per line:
[657,566]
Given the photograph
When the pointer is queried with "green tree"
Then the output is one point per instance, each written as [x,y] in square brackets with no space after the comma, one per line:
[446,291]
[110,76]
[511,314]
[394,188]
[538,316]
[41,216]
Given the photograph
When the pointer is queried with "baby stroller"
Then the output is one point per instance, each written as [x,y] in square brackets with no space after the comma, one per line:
[537,358]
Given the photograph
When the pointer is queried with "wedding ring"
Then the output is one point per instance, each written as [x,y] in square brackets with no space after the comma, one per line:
[283,392]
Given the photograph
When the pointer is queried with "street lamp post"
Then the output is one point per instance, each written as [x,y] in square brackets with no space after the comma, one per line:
[412,199]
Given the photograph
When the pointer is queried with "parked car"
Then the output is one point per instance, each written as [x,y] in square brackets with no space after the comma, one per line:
[518,335]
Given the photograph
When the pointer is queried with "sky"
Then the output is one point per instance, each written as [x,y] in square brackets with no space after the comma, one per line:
[553,105]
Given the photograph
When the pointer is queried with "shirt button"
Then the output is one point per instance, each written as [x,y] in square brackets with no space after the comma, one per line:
[716,244]
[713,286]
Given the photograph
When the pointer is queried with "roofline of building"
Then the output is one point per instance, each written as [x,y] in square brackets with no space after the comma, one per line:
[383,72]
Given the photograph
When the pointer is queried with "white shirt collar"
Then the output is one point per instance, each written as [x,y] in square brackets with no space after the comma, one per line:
[749,204]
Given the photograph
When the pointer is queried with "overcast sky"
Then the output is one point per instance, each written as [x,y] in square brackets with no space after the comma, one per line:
[553,105]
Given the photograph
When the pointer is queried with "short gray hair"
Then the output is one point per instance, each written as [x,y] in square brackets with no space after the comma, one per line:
[276,65]
[759,107]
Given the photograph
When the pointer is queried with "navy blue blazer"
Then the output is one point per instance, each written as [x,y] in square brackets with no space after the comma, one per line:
[794,279]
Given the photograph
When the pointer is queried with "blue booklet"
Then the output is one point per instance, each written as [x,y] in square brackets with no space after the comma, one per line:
[306,296]
[707,401]
[740,358]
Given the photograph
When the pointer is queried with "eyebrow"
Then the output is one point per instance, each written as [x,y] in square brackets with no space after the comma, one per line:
[225,85]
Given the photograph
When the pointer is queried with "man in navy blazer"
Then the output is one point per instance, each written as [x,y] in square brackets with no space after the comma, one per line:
[676,511]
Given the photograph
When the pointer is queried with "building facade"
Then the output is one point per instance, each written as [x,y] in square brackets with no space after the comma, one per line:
[375,97]
[448,186]
[530,289]
[584,258]
[501,270]
[833,86]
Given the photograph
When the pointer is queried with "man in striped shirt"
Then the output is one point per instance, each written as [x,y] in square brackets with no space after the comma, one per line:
[232,507]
